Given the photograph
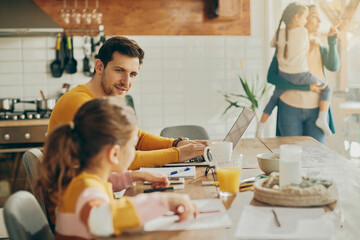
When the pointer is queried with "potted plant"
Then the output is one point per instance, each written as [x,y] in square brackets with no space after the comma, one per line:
[249,99]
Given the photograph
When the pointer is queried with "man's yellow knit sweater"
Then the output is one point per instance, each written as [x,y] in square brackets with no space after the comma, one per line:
[151,151]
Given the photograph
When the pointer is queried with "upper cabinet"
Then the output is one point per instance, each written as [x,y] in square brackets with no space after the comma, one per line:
[159,17]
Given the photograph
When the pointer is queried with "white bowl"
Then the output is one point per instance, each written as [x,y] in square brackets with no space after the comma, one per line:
[268,162]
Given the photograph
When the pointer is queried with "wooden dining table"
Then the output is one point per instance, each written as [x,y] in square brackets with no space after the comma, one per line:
[318,161]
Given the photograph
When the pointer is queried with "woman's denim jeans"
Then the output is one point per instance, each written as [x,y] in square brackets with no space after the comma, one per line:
[299,122]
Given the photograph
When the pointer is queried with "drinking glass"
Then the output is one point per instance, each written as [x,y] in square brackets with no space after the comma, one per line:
[290,163]
[86,14]
[96,14]
[65,14]
[228,173]
[75,15]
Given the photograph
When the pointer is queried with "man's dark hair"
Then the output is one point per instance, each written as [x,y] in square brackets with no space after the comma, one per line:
[122,45]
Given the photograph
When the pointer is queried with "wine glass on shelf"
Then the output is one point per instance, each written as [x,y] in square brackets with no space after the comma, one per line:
[65,14]
[86,14]
[75,15]
[96,14]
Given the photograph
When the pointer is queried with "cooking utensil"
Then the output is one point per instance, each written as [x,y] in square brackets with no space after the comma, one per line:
[70,67]
[45,105]
[64,55]
[8,104]
[87,53]
[42,95]
[55,66]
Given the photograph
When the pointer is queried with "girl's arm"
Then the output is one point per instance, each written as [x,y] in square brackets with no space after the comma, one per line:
[274,78]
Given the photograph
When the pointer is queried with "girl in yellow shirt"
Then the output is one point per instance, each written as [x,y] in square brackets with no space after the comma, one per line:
[78,161]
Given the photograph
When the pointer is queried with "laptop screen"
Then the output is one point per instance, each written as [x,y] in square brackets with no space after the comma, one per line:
[239,127]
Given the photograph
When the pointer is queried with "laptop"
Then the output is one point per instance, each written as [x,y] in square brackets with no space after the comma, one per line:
[234,135]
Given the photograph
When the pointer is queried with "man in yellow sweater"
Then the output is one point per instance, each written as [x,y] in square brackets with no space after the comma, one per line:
[116,68]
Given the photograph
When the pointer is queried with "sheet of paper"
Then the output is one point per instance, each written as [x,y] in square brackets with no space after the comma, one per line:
[218,219]
[167,170]
[296,223]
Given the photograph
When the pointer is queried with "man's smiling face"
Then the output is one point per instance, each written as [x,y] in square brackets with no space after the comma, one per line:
[119,74]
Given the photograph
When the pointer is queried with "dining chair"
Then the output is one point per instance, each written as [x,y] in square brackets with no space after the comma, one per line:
[32,159]
[24,218]
[192,132]
[130,101]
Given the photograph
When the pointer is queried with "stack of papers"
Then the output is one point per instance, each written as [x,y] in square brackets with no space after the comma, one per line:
[216,217]
[178,172]
[296,223]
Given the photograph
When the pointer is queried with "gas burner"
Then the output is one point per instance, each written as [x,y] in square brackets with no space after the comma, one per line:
[25,115]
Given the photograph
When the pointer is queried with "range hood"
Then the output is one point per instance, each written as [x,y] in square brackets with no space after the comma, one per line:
[25,18]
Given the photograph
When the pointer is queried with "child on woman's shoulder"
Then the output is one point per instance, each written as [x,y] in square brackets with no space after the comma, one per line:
[292,47]
[79,160]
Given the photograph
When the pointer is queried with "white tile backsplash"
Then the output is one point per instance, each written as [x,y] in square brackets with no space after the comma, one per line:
[178,82]
[173,98]
[11,79]
[34,54]
[10,42]
[152,99]
[173,53]
[10,54]
[35,42]
[36,66]
[216,41]
[35,79]
[11,91]
[11,67]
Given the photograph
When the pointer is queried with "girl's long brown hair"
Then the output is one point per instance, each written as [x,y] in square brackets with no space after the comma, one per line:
[290,11]
[70,148]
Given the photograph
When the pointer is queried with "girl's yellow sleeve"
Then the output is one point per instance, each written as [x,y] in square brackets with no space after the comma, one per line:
[124,215]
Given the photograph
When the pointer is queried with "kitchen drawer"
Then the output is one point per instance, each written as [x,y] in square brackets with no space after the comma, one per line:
[23,134]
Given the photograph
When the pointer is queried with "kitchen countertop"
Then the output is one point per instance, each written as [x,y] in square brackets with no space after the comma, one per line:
[18,123]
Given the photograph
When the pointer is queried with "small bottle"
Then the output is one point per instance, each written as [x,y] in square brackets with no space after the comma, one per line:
[290,164]
[63,90]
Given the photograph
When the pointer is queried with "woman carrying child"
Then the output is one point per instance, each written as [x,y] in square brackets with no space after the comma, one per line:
[296,68]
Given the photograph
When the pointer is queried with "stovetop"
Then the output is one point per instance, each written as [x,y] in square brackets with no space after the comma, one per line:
[25,115]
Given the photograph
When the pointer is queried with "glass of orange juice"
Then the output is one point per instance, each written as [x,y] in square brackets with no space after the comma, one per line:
[228,173]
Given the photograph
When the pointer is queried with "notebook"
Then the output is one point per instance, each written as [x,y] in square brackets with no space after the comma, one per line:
[234,135]
[173,172]
[295,223]
[212,215]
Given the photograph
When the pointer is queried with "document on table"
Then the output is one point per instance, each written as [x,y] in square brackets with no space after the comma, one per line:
[178,172]
[216,217]
[295,223]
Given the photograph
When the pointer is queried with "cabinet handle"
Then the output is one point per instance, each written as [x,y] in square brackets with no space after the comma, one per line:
[27,135]
[7,137]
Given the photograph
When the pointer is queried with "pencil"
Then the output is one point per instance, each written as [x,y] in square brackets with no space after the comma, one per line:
[246,189]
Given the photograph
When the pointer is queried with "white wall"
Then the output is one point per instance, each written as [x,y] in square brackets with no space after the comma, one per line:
[178,81]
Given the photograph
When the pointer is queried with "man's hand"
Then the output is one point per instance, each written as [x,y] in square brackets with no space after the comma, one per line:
[185,142]
[157,180]
[190,150]
[317,87]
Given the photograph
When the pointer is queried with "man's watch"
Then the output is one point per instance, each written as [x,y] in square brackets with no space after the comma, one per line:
[175,143]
